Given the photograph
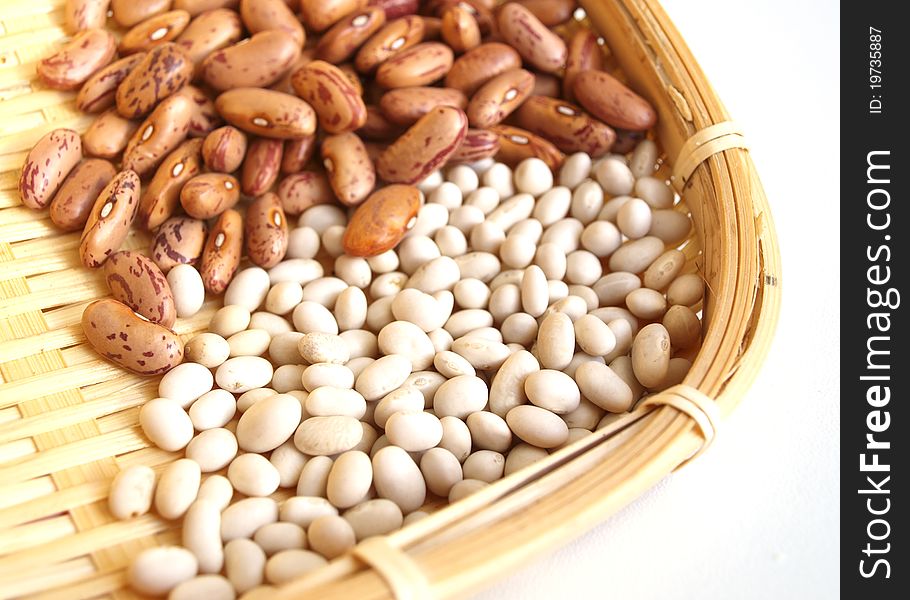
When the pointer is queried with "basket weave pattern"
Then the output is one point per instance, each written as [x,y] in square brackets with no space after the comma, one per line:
[69,420]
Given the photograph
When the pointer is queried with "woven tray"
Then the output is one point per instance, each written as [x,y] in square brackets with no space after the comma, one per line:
[68,420]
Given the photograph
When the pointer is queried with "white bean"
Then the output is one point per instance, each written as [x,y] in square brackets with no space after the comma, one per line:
[186,285]
[248,288]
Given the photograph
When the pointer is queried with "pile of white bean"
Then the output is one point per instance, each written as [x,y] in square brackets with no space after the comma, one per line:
[490,337]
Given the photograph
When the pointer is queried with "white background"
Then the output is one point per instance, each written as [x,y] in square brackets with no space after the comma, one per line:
[757,516]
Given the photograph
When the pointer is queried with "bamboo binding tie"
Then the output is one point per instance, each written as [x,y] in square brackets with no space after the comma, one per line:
[704,144]
[397,569]
[699,407]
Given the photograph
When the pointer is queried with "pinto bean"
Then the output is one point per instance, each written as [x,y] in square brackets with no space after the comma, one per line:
[161,132]
[264,15]
[77,60]
[396,36]
[221,255]
[161,194]
[179,241]
[98,92]
[46,166]
[154,31]
[137,281]
[340,42]
[267,113]
[297,153]
[349,168]
[329,91]
[500,97]
[419,65]
[300,191]
[425,147]
[163,71]
[516,144]
[74,200]
[567,126]
[109,221]
[210,194]
[116,333]
[208,32]
[266,235]
[261,166]
[223,149]
[481,64]
[259,61]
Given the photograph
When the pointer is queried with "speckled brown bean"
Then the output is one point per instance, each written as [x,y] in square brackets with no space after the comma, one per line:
[379,223]
[565,125]
[109,221]
[159,199]
[476,67]
[261,166]
[46,166]
[163,71]
[196,7]
[612,102]
[480,10]
[77,60]
[500,97]
[584,55]
[538,46]
[266,234]
[378,127]
[258,61]
[344,38]
[267,113]
[223,149]
[516,144]
[204,118]
[155,31]
[460,29]
[478,144]
[419,65]
[263,15]
[319,15]
[425,147]
[74,200]
[350,171]
[396,36]
[330,93]
[97,93]
[550,12]
[129,12]
[158,135]
[210,194]
[179,241]
[210,31]
[300,191]
[80,15]
[297,153]
[116,333]
[396,8]
[221,255]
[404,106]
[108,135]
[138,282]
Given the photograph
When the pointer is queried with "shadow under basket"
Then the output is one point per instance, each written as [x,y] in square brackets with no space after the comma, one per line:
[69,420]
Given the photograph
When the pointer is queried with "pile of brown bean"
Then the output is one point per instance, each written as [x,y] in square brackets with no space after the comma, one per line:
[484,266]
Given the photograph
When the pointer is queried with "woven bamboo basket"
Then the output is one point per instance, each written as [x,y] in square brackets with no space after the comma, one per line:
[69,420]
